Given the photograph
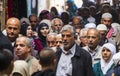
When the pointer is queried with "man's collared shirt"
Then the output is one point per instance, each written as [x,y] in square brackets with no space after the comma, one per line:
[95,54]
[65,64]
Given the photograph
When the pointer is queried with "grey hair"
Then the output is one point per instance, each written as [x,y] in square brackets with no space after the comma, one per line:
[52,22]
[51,34]
[67,28]
[28,41]
[95,30]
[83,30]
[79,17]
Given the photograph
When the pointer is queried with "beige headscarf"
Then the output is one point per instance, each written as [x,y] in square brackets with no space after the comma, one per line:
[21,67]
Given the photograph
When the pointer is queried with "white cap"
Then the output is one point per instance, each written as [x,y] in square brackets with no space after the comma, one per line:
[106,15]
[91,19]
[90,25]
[101,27]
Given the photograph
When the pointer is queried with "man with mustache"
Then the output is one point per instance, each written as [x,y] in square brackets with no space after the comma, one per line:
[72,60]
[93,37]
[12,29]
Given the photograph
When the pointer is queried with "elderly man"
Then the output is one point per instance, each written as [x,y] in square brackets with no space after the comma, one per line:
[72,59]
[57,24]
[23,50]
[83,37]
[59,43]
[12,29]
[51,41]
[93,47]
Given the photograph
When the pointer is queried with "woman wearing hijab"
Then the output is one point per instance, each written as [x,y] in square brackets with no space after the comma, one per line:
[20,68]
[116,70]
[106,63]
[44,14]
[26,30]
[43,30]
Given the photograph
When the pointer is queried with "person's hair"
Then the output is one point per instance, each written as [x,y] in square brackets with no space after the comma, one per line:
[67,28]
[82,30]
[52,22]
[47,56]
[51,34]
[95,30]
[28,41]
[5,59]
[23,29]
[33,15]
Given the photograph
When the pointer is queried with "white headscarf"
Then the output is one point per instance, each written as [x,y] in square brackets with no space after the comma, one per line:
[20,66]
[116,58]
[105,66]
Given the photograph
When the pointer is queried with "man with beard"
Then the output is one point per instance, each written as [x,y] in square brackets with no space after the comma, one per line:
[72,59]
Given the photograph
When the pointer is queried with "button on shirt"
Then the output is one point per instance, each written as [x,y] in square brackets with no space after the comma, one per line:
[65,65]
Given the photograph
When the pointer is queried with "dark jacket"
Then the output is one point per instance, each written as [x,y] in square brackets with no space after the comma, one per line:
[81,62]
[48,72]
[5,42]
[114,72]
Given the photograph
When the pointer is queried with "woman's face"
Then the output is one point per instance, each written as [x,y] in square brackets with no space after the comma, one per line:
[106,54]
[29,31]
[44,31]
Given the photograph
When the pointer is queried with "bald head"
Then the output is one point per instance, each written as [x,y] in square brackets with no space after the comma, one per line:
[12,28]
[14,21]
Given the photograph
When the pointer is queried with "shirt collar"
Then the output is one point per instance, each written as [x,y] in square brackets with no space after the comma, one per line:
[93,51]
[71,51]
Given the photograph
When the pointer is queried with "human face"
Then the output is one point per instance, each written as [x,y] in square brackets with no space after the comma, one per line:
[106,21]
[106,54]
[12,29]
[29,31]
[57,25]
[58,42]
[21,49]
[51,41]
[68,39]
[83,38]
[76,21]
[33,21]
[103,34]
[44,31]
[93,39]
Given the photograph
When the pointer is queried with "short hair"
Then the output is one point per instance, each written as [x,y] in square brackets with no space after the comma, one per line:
[82,30]
[67,28]
[47,56]
[95,30]
[28,41]
[52,22]
[33,15]
[5,59]
[51,35]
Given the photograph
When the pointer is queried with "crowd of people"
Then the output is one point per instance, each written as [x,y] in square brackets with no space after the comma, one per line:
[87,44]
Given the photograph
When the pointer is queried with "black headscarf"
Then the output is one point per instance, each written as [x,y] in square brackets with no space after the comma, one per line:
[41,37]
[23,29]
